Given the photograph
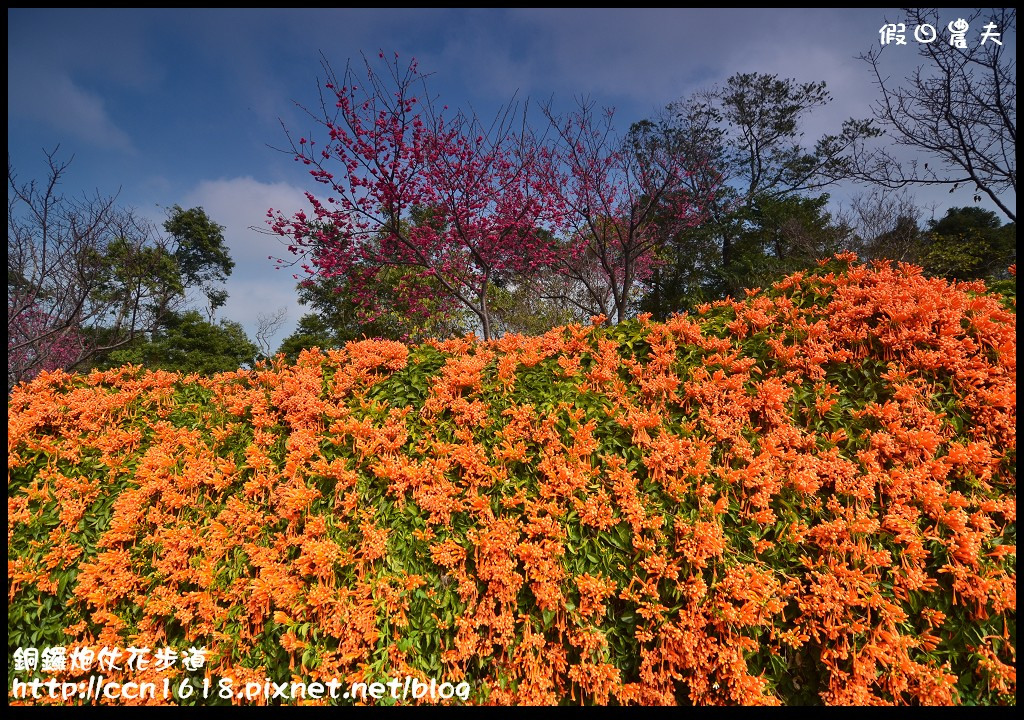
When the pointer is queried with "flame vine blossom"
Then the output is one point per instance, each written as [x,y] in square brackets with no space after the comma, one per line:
[803,496]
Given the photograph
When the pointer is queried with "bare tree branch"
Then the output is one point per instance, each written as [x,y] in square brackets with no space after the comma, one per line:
[267,325]
[959,108]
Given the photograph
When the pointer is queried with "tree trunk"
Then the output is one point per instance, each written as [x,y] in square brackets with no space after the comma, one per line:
[485,315]
[727,263]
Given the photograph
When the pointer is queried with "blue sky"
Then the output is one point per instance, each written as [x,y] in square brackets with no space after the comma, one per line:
[179,106]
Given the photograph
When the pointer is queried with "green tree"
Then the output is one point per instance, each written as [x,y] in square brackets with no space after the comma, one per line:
[337,317]
[202,258]
[187,343]
[90,284]
[136,278]
[780,235]
[334,321]
[969,243]
[744,149]
[771,237]
[156,279]
[690,273]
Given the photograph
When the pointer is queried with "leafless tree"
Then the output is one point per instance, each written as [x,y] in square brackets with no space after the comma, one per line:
[617,195]
[959,107]
[83,275]
[267,325]
[885,224]
[585,286]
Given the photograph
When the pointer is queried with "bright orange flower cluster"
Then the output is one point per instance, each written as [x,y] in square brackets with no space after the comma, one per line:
[804,496]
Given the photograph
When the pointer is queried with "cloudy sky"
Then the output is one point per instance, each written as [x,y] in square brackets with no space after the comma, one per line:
[184,107]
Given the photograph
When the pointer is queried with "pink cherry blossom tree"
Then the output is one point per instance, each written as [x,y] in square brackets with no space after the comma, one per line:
[38,341]
[458,203]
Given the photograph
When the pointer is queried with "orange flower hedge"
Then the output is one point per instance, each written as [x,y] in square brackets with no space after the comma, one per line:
[806,496]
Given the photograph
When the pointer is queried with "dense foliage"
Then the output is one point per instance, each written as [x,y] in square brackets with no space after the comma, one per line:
[805,496]
[187,342]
